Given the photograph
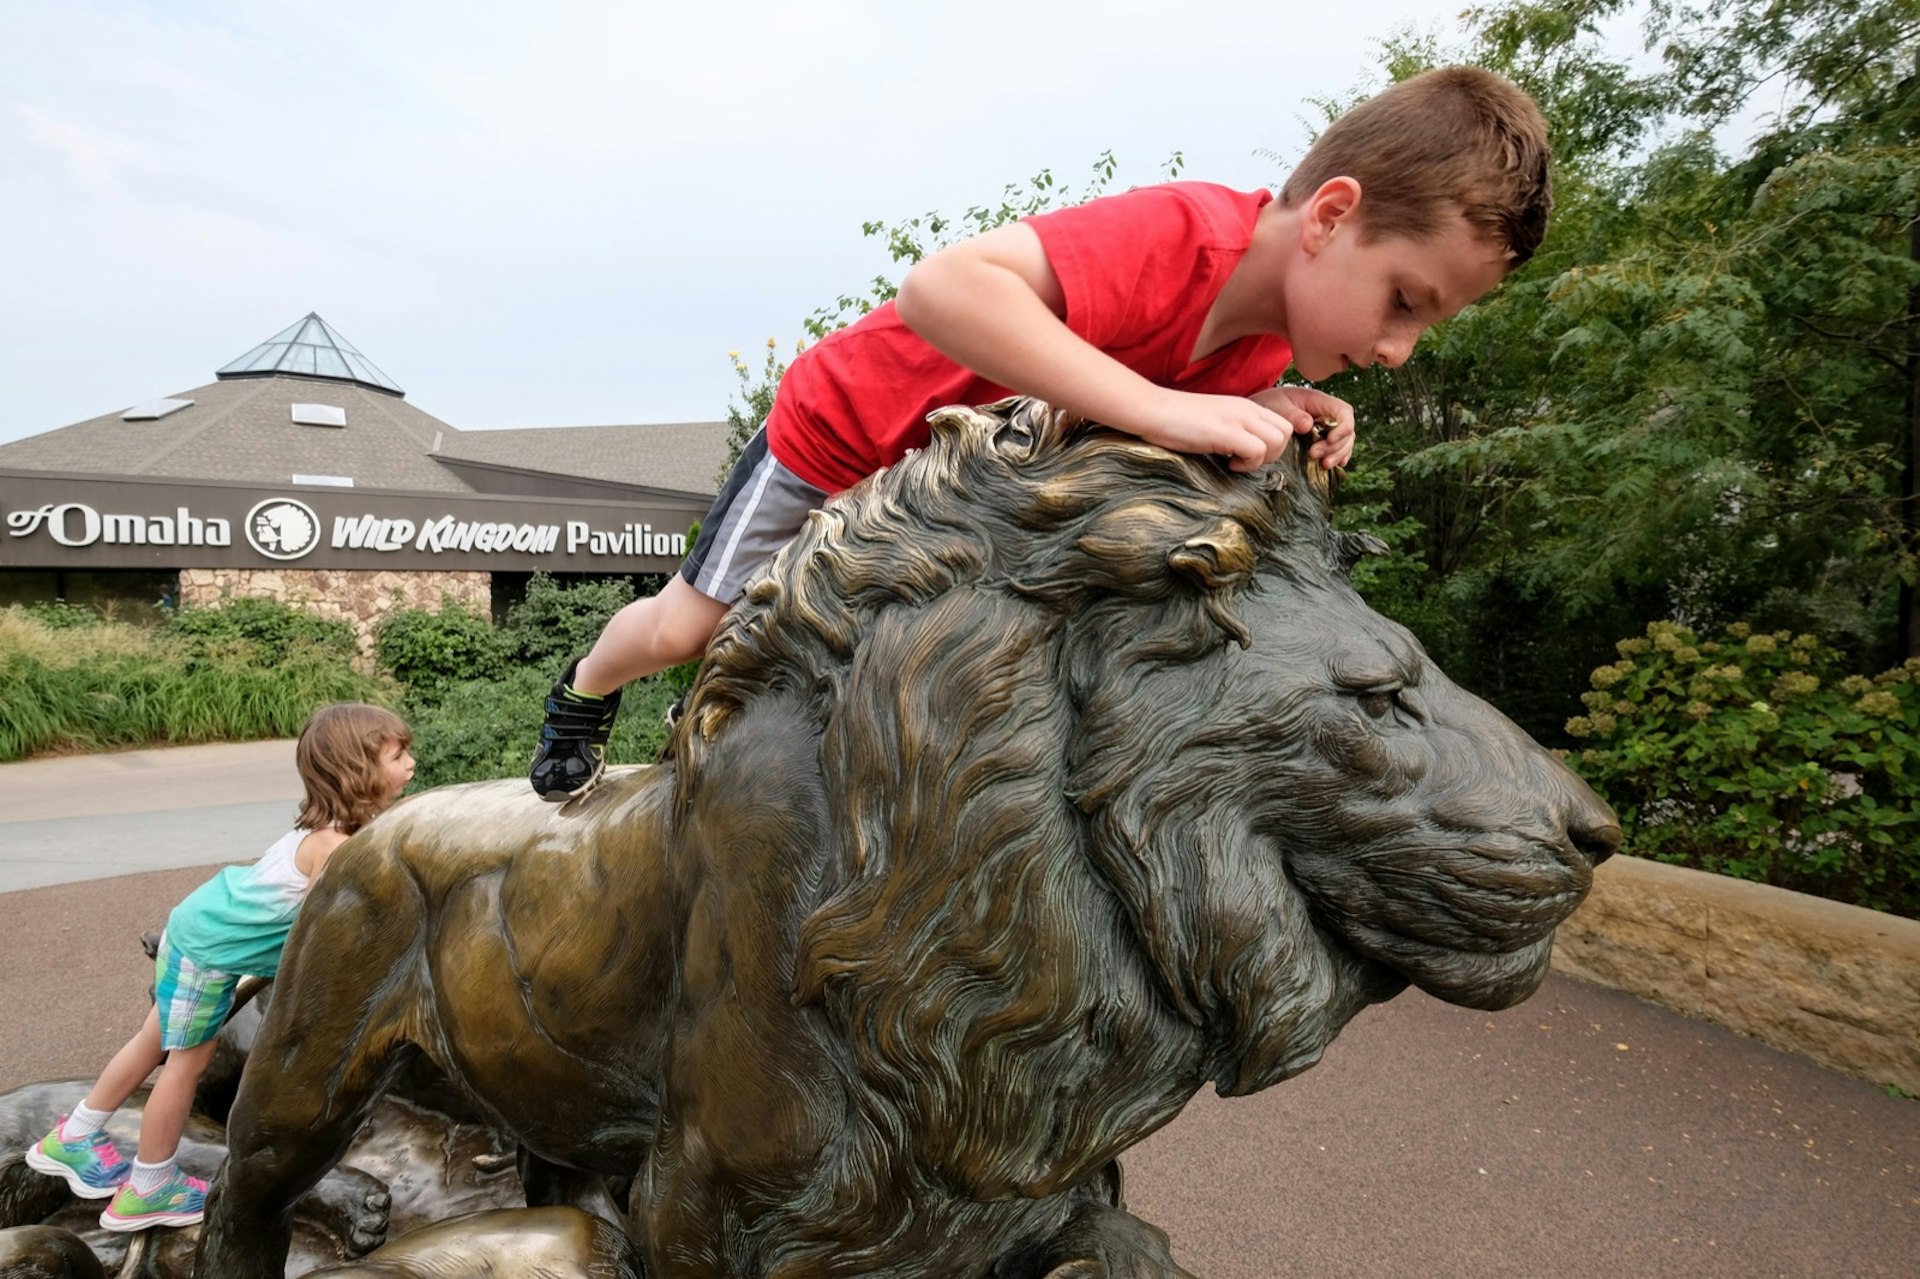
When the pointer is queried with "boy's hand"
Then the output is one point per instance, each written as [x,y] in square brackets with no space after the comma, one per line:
[1247,432]
[1303,406]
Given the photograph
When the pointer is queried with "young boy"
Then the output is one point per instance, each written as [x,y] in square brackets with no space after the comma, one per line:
[1168,312]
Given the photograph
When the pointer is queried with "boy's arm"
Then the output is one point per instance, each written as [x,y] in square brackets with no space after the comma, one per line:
[994,304]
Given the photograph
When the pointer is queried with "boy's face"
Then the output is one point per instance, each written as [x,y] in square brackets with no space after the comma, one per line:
[1362,302]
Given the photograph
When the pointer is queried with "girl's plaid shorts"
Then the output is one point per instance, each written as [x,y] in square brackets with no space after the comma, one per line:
[192,1001]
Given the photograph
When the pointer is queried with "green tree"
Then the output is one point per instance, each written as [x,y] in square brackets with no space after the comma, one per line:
[1443,446]
[1693,401]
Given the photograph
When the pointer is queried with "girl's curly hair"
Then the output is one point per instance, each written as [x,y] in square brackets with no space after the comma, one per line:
[339,761]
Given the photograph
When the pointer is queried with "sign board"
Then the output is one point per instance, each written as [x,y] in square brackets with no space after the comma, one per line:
[64,521]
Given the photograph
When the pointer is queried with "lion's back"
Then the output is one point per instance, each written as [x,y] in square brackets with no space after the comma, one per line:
[446,838]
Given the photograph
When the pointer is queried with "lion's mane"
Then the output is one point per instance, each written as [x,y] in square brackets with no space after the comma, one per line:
[1036,905]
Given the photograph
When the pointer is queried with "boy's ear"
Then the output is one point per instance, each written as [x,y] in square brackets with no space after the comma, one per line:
[1337,200]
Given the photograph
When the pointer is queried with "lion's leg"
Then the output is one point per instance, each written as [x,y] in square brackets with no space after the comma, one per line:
[288,1128]
[326,1050]
[46,1252]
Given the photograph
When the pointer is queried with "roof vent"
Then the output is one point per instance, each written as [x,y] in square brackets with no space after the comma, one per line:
[154,410]
[337,481]
[319,415]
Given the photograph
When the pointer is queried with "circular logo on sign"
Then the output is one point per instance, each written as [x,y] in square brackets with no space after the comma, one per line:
[283,529]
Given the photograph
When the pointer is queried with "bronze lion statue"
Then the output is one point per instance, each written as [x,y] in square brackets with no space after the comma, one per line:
[1045,778]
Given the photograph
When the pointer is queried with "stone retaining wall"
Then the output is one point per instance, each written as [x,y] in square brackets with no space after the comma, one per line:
[359,596]
[1835,983]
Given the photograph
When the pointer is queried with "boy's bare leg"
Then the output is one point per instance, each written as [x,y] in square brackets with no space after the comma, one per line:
[172,1097]
[129,1067]
[649,635]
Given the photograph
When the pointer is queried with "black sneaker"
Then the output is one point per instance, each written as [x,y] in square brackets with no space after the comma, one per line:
[573,741]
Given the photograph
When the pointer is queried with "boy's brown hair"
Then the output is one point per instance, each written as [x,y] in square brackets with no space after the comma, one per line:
[1457,140]
[338,756]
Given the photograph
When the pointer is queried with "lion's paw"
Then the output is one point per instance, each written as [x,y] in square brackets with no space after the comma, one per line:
[1103,1242]
[352,1207]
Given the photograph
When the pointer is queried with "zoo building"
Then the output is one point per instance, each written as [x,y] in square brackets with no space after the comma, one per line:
[302,473]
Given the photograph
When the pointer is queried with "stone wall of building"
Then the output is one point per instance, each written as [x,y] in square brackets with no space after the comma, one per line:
[361,597]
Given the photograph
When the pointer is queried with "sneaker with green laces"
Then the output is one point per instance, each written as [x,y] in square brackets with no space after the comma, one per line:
[573,740]
[180,1200]
[90,1164]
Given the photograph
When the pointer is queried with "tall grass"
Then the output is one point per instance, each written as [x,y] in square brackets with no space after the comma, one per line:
[55,640]
[116,685]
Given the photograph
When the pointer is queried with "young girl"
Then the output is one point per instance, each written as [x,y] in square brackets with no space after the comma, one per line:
[354,761]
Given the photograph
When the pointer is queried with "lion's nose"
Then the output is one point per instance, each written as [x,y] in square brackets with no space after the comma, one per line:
[1598,841]
[1591,826]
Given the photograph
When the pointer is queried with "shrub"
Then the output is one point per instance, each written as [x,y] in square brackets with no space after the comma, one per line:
[430,651]
[266,632]
[1755,756]
[58,615]
[486,728]
[557,622]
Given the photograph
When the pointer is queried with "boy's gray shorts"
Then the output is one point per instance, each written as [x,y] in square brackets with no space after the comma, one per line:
[760,508]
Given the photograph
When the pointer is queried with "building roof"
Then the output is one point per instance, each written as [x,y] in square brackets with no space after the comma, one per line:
[244,430]
[683,457]
[310,348]
[306,407]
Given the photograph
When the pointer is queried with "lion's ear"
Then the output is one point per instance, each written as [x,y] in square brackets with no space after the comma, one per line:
[1220,555]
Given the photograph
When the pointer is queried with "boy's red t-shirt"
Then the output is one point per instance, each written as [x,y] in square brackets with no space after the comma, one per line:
[1139,271]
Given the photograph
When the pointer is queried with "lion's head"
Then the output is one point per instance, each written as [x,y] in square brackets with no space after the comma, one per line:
[1135,791]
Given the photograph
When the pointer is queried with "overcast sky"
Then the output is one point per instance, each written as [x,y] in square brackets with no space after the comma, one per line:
[566,213]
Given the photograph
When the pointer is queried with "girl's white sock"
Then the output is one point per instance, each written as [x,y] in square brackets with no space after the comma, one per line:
[148,1178]
[83,1122]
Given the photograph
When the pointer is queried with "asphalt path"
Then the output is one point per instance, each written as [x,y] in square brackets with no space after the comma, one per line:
[1584,1133]
[96,816]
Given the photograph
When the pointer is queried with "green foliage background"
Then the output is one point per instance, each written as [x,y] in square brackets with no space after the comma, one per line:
[72,679]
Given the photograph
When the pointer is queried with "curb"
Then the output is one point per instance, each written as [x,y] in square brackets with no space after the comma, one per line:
[1839,984]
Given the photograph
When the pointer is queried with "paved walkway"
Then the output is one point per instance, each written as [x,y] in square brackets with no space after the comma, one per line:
[93,816]
[1582,1134]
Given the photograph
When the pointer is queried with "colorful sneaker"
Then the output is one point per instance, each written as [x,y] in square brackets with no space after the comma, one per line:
[573,741]
[180,1200]
[91,1165]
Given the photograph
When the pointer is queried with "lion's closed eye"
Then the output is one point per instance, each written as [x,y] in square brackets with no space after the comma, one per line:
[1392,700]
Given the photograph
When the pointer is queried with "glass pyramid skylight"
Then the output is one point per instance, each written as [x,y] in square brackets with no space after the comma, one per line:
[308,348]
